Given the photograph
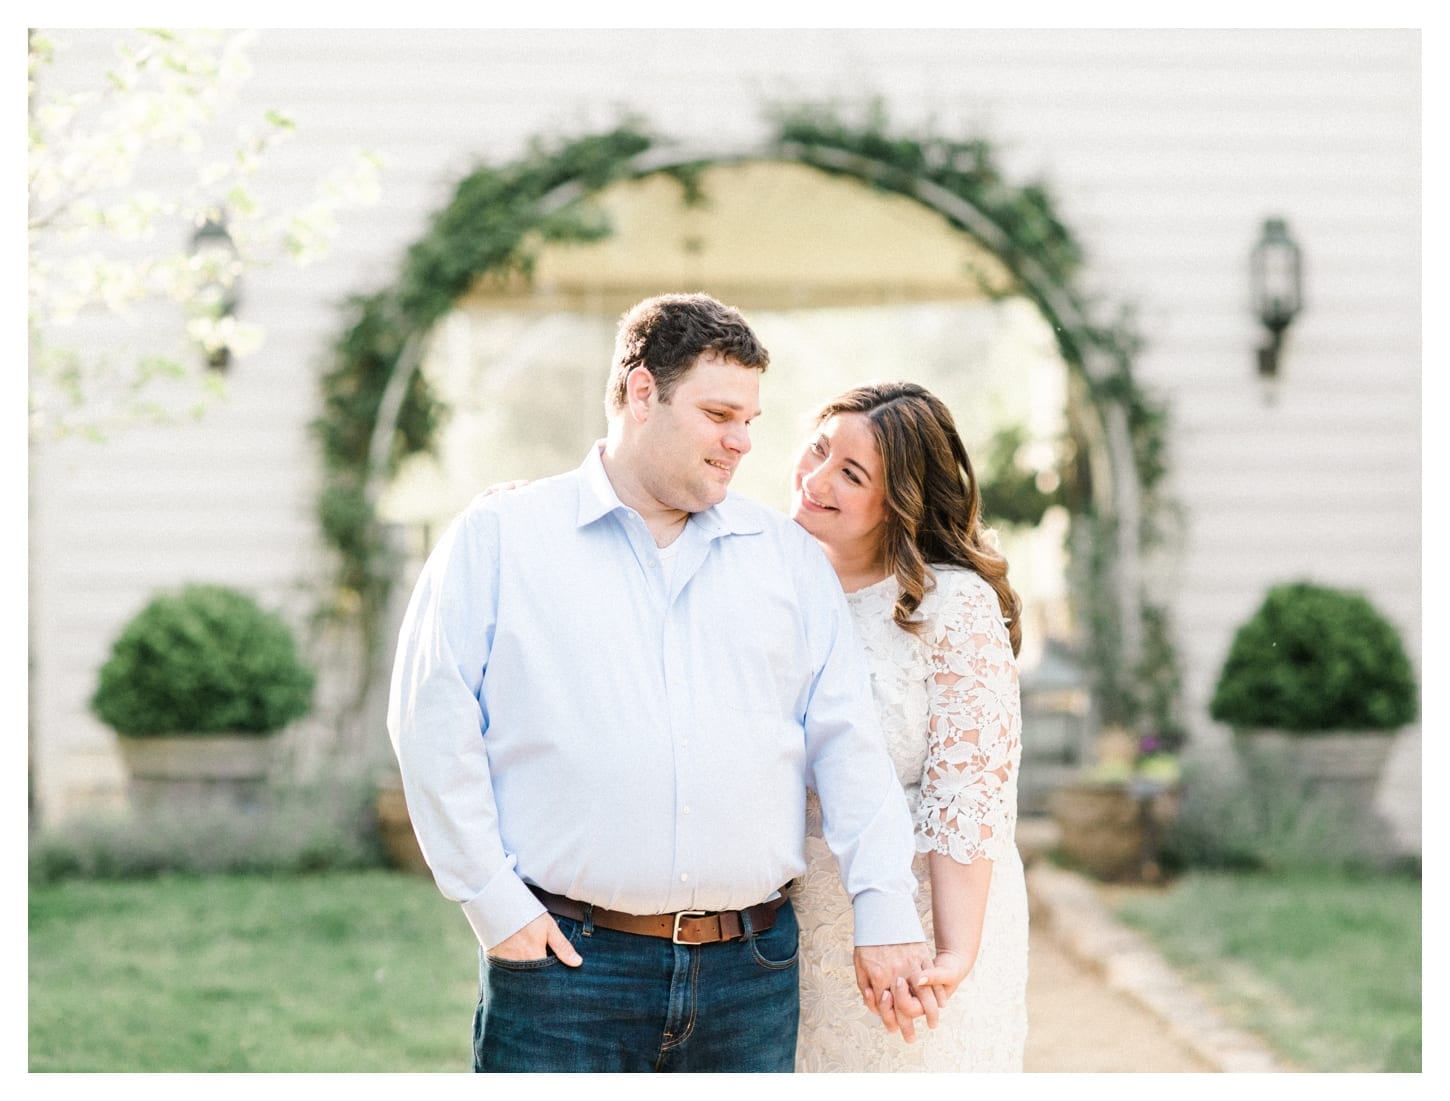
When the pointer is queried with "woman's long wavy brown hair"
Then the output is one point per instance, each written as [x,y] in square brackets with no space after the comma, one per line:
[933,505]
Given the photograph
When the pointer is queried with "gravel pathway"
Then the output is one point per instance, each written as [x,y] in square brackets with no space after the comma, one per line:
[1100,997]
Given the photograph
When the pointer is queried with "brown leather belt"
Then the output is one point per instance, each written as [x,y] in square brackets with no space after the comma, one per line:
[685,927]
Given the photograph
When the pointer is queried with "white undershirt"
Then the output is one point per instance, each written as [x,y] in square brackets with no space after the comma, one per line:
[667,563]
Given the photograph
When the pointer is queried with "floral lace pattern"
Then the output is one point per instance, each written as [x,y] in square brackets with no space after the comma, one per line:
[948,705]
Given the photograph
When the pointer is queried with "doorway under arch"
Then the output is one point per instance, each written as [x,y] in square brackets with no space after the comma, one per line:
[844,285]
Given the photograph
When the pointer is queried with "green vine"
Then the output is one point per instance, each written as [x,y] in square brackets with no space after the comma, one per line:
[1024,215]
[492,227]
[1012,492]
[497,220]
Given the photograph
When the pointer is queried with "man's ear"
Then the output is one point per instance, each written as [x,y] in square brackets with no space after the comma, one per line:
[639,392]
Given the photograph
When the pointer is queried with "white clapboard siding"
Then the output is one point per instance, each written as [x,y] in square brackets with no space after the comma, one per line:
[1164,150]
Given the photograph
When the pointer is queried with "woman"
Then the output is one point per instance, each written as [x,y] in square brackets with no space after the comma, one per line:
[885,486]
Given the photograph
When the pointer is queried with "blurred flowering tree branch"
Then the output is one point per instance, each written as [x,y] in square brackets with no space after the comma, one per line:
[121,177]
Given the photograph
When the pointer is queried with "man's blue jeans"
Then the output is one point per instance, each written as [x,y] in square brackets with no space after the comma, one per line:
[642,1003]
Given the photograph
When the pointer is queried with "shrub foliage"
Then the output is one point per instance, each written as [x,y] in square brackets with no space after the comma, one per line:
[1314,658]
[322,827]
[1270,818]
[205,660]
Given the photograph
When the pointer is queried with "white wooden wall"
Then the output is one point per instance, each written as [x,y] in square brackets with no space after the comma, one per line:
[1165,150]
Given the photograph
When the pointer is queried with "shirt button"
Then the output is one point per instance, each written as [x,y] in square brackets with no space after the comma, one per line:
[685,809]
[684,877]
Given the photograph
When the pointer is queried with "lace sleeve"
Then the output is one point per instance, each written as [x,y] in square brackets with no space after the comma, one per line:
[968,805]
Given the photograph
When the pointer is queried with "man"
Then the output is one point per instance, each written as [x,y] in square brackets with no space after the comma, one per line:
[612,689]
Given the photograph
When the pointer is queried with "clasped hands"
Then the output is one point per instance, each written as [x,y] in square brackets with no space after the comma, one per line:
[901,982]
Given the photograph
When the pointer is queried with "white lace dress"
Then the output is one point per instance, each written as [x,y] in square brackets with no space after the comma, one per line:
[948,704]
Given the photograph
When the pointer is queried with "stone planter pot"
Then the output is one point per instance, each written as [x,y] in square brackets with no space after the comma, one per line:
[195,774]
[396,828]
[1346,765]
[1111,830]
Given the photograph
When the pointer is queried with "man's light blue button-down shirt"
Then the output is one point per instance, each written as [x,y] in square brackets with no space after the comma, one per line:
[566,716]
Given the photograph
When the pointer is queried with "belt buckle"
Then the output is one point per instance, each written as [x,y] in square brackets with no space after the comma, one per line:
[675,932]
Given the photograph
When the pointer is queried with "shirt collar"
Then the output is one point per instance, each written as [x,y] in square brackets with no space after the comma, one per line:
[596,493]
[732,516]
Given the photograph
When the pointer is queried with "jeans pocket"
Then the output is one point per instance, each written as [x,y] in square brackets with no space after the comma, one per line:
[569,928]
[778,947]
[522,965]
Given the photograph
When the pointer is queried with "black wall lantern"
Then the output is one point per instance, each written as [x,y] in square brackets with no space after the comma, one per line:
[1278,289]
[221,290]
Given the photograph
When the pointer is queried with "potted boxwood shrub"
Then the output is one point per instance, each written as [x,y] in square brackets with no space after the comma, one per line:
[195,686]
[1318,676]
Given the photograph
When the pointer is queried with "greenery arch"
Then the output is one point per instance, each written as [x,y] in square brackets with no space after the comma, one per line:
[377,408]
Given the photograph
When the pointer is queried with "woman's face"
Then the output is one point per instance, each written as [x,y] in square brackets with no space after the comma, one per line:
[839,496]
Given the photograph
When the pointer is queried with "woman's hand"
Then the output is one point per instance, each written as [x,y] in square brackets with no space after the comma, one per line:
[499,487]
[946,973]
[959,908]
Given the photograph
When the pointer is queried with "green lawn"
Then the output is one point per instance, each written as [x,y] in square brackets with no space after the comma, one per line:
[344,972]
[1325,967]
[376,971]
